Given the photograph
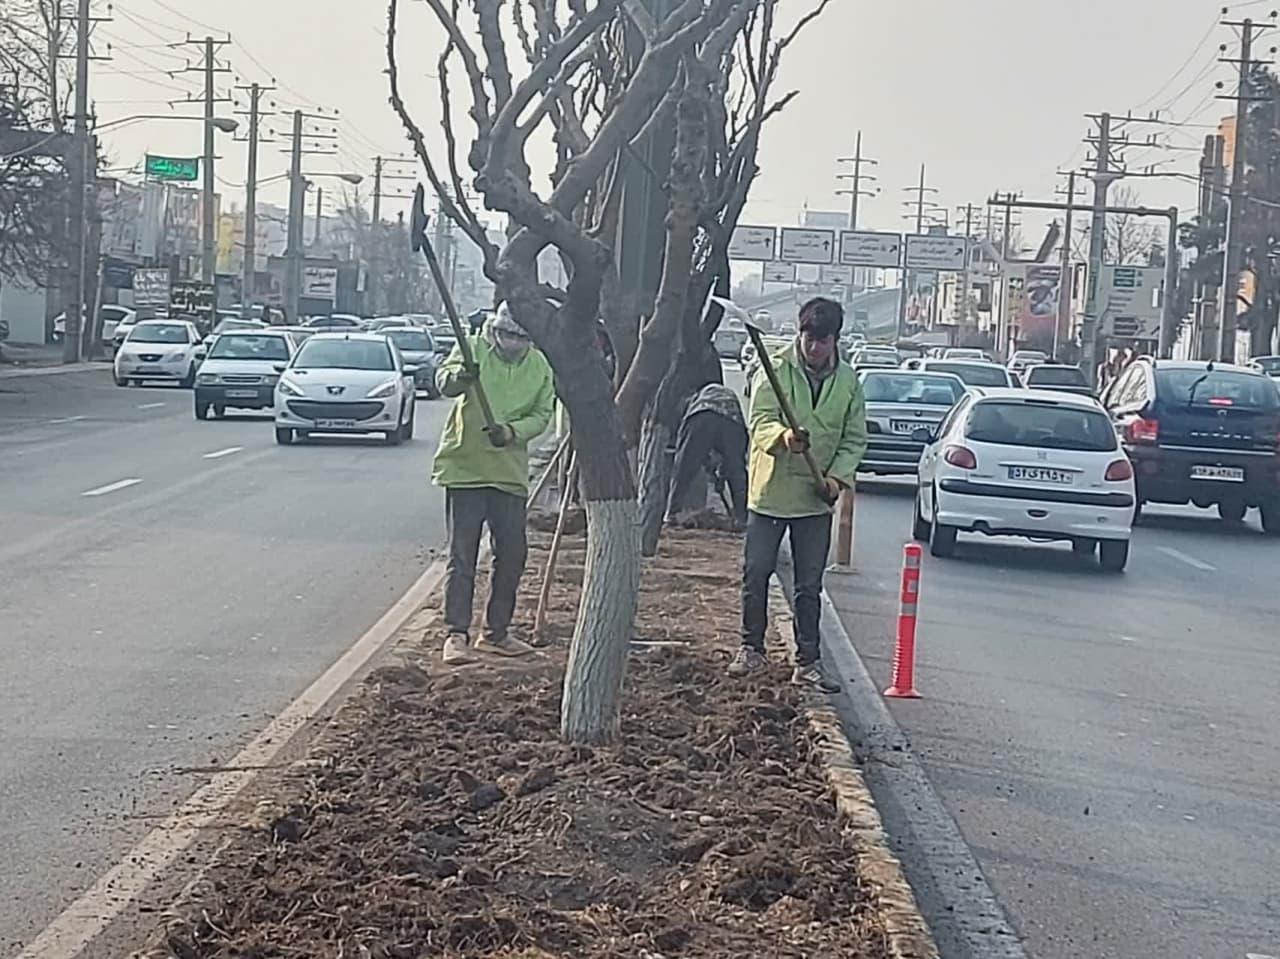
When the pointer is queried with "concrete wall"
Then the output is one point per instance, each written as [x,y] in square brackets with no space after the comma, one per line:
[23,308]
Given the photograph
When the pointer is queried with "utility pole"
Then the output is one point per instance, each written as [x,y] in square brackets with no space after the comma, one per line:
[1232,261]
[1062,328]
[1212,185]
[377,191]
[374,255]
[80,161]
[962,301]
[908,276]
[249,269]
[319,214]
[1103,176]
[857,176]
[208,226]
[294,249]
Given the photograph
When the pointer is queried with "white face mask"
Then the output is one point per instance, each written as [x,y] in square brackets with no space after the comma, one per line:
[510,348]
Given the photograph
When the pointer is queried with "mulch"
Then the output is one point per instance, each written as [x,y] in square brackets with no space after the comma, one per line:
[441,815]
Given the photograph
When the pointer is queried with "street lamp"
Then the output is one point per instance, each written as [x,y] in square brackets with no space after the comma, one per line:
[222,124]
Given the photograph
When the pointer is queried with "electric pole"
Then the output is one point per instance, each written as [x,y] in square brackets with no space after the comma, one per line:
[962,302]
[374,255]
[80,162]
[1232,260]
[294,252]
[249,270]
[857,176]
[208,225]
[319,215]
[1212,187]
[907,276]
[1103,176]
[1062,328]
[377,191]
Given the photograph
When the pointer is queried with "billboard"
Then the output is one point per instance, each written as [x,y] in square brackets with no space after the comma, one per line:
[151,287]
[1038,304]
[320,283]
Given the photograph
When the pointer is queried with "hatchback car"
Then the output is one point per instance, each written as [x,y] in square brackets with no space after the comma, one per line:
[899,404]
[168,350]
[345,383]
[417,349]
[869,356]
[240,371]
[1019,463]
[1202,433]
[1055,376]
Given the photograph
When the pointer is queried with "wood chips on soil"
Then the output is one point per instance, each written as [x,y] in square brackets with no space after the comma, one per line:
[440,815]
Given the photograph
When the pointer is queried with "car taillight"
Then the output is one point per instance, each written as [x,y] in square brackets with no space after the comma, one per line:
[961,456]
[1119,472]
[1142,431]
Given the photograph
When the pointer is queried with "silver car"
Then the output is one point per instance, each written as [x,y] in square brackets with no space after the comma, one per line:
[241,371]
[904,408]
[345,383]
[418,349]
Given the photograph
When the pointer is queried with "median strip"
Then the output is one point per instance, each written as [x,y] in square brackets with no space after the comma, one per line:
[112,487]
[218,454]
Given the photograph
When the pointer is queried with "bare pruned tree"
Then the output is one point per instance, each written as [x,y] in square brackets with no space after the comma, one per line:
[1130,239]
[599,79]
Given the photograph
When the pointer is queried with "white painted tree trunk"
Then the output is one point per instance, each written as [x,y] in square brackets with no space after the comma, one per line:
[655,481]
[593,679]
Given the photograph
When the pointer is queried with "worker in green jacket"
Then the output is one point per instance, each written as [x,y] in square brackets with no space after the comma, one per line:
[782,497]
[485,475]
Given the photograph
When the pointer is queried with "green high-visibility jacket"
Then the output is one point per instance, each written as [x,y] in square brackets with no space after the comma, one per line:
[780,483]
[522,395]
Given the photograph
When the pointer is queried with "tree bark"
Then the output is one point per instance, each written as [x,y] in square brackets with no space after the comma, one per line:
[655,479]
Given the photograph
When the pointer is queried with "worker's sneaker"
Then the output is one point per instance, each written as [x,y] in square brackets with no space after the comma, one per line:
[815,677]
[746,661]
[503,646]
[457,650]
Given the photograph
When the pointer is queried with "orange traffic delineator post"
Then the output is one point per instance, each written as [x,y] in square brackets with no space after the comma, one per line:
[903,685]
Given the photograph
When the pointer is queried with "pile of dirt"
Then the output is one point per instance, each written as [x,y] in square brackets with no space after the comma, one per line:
[442,815]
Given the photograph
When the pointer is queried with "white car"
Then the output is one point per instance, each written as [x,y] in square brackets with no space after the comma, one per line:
[1041,464]
[167,350]
[1024,359]
[241,371]
[345,383]
[964,353]
[113,316]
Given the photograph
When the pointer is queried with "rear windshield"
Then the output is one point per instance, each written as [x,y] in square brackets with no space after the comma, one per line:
[973,375]
[344,355]
[1268,364]
[1057,376]
[412,340]
[1041,424]
[249,346]
[159,333]
[1219,388]
[910,388]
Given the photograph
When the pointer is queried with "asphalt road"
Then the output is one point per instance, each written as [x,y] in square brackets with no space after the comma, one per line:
[1109,745]
[166,586]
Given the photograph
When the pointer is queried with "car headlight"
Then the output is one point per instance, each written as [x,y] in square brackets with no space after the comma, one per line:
[125,357]
[207,379]
[271,379]
[289,389]
[383,391]
[175,357]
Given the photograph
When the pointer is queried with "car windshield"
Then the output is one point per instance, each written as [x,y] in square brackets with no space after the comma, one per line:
[911,388]
[1041,424]
[343,355]
[411,340]
[973,374]
[1056,376]
[1218,388]
[159,333]
[1268,364]
[249,346]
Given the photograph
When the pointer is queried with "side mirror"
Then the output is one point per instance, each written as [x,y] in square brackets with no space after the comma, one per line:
[922,434]
[410,370]
[279,367]
[200,353]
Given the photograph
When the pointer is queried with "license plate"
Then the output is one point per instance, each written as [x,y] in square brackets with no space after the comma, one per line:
[335,424]
[241,394]
[906,427]
[147,369]
[1041,474]
[1232,474]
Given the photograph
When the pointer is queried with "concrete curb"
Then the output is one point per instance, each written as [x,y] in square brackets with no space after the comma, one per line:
[907,933]
[955,899]
[51,370]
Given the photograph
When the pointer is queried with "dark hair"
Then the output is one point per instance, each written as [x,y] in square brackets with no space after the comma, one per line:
[821,317]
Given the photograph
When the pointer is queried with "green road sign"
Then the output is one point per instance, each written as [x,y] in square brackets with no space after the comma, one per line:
[173,168]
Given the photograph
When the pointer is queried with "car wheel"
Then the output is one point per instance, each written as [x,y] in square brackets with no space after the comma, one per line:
[1232,510]
[406,431]
[919,528]
[202,410]
[135,382]
[1084,546]
[284,435]
[394,437]
[120,380]
[1114,554]
[219,410]
[942,538]
[1271,518]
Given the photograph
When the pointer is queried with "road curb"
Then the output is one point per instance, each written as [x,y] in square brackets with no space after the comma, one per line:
[954,898]
[22,372]
[906,931]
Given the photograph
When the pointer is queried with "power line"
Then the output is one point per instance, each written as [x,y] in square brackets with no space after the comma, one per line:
[1213,23]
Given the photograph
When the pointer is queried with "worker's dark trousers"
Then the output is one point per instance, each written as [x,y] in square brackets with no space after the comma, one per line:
[699,435]
[810,542]
[466,512]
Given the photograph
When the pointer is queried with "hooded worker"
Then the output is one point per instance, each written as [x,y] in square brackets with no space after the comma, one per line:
[484,470]
[783,499]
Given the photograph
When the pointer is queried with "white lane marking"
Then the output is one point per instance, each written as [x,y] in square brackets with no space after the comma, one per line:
[1257,955]
[151,406]
[218,454]
[81,922]
[1189,560]
[111,487]
[69,419]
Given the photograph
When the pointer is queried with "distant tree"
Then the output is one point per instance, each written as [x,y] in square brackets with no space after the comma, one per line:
[1129,237]
[33,196]
[395,280]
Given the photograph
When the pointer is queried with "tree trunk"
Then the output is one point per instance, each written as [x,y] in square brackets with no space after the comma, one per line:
[655,479]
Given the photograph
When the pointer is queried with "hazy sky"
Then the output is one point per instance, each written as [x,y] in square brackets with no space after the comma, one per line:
[990,94]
